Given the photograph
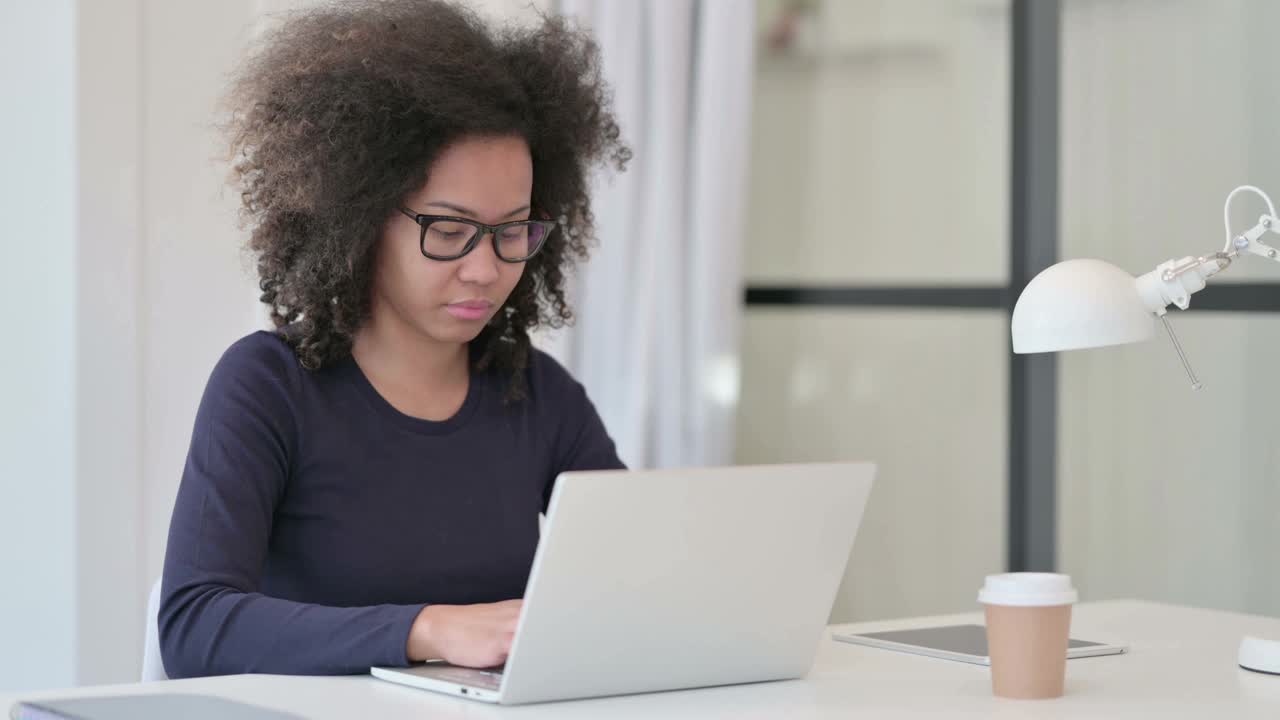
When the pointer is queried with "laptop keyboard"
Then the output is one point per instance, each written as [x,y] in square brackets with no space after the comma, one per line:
[488,679]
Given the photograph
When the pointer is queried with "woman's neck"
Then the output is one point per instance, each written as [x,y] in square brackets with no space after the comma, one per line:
[419,376]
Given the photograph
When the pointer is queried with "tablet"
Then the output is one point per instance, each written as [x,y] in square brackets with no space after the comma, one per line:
[964,643]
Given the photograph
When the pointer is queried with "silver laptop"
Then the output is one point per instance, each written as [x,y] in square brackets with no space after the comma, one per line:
[670,579]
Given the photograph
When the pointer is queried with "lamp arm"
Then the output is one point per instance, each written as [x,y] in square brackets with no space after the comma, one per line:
[1226,212]
[1251,240]
[1174,281]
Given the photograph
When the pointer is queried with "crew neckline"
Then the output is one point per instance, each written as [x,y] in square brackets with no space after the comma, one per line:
[422,426]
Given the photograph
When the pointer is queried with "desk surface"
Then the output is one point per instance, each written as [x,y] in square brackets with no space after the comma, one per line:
[1182,664]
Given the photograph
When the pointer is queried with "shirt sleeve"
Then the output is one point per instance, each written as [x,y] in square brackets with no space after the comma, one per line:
[213,620]
[581,441]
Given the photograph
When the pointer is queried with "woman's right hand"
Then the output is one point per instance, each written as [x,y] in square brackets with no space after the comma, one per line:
[468,635]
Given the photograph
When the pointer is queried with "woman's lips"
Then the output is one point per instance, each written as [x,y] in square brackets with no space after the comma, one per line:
[470,309]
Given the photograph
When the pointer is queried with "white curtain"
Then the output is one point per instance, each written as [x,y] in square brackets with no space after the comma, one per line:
[658,305]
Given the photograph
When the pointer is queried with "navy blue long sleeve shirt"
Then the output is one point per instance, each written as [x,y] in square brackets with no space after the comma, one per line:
[314,520]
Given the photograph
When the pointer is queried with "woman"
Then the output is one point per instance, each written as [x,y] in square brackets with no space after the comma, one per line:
[363,483]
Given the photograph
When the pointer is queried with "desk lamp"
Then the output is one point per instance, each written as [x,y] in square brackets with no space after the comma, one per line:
[1081,304]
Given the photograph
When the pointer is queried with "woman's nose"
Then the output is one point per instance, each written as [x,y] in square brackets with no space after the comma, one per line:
[480,266]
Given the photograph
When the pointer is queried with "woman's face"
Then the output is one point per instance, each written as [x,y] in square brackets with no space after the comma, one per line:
[486,179]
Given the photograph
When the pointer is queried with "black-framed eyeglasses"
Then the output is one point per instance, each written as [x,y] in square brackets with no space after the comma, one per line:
[444,237]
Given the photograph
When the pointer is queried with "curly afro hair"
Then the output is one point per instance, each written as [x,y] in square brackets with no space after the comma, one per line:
[338,115]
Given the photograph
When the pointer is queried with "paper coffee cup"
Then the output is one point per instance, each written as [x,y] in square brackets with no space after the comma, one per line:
[1028,626]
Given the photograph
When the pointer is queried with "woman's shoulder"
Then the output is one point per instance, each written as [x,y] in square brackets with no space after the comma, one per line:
[262,361]
[262,349]
[546,372]
[551,386]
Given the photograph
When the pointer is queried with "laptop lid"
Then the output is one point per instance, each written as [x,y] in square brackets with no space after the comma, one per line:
[667,579]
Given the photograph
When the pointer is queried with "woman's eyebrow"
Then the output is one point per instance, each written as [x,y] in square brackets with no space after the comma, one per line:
[471,213]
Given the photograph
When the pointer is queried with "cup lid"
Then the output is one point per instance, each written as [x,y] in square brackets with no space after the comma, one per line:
[1028,590]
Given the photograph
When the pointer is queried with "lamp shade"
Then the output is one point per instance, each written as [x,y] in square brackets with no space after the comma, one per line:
[1080,304]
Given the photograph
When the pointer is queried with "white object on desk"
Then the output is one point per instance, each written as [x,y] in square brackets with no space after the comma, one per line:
[1180,667]
[1260,655]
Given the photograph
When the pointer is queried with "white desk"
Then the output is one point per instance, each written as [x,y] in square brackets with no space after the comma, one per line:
[1181,665]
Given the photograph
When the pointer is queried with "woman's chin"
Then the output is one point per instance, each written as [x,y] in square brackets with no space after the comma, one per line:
[454,332]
